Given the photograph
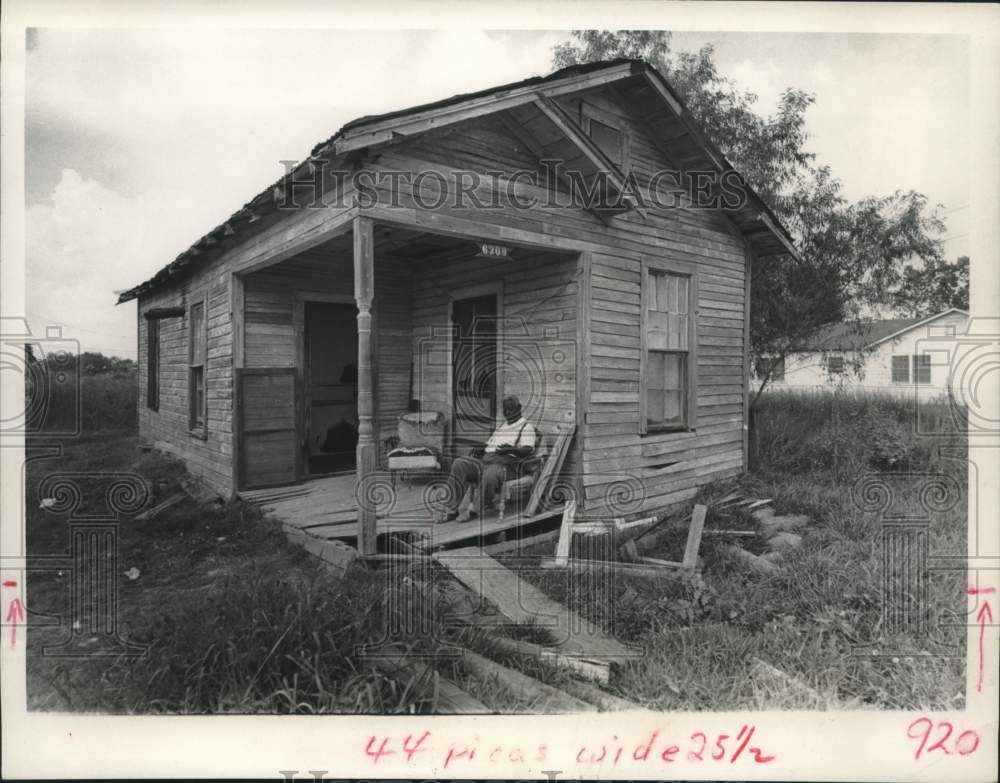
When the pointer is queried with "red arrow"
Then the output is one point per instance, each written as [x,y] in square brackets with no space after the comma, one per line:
[984,612]
[15,613]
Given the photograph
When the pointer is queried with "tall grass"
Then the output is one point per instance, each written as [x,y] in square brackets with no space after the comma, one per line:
[834,436]
[66,402]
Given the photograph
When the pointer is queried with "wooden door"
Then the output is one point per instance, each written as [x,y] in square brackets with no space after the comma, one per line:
[268,421]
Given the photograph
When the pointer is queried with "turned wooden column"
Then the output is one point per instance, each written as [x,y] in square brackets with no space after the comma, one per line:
[364,290]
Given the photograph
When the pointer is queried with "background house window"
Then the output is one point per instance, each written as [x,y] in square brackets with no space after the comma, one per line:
[921,368]
[196,366]
[900,369]
[153,364]
[668,371]
[835,365]
[776,365]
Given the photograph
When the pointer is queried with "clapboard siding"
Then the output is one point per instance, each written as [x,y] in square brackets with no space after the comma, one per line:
[274,324]
[538,303]
[543,298]
[207,456]
[662,468]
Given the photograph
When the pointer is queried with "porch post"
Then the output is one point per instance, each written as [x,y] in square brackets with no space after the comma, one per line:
[364,288]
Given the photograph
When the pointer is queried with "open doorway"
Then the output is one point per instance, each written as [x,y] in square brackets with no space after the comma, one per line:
[331,386]
[474,367]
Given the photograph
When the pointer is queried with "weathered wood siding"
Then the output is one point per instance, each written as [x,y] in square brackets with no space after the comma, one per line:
[618,467]
[274,321]
[537,344]
[211,456]
[621,469]
[167,428]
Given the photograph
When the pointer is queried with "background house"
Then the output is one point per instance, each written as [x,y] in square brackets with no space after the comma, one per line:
[898,357]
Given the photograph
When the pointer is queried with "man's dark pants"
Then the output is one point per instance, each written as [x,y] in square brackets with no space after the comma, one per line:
[491,471]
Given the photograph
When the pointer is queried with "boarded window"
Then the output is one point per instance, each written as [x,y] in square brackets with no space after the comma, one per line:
[153,364]
[922,368]
[900,369]
[196,366]
[835,365]
[609,140]
[668,328]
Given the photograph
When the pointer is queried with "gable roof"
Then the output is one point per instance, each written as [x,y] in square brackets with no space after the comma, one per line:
[853,337]
[759,225]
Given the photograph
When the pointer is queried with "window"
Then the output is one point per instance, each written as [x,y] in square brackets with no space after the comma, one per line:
[196,366]
[835,365]
[900,369]
[153,363]
[608,139]
[776,365]
[607,133]
[668,399]
[921,368]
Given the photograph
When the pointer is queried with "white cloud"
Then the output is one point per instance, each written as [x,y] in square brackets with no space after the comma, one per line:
[77,247]
[763,79]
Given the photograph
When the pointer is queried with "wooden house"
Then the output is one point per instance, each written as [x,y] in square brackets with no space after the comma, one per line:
[435,259]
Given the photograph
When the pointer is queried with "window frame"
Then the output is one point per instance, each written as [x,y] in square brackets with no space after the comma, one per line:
[921,362]
[893,369]
[843,365]
[778,371]
[153,364]
[588,113]
[651,266]
[198,430]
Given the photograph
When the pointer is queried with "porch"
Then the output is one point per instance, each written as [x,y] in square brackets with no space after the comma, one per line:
[327,508]
[342,338]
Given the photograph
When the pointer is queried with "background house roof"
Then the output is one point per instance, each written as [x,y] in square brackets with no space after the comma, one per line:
[769,234]
[854,337]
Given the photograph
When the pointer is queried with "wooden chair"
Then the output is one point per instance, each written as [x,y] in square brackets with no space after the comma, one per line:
[528,471]
[419,444]
[537,473]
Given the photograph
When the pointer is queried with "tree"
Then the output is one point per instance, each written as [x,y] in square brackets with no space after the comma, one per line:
[932,288]
[852,254]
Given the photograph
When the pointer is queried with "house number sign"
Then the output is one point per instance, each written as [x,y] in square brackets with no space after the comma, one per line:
[487,250]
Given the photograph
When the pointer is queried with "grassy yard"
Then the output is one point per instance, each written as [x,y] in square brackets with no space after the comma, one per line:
[238,620]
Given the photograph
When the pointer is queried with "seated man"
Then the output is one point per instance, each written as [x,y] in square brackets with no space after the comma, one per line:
[508,445]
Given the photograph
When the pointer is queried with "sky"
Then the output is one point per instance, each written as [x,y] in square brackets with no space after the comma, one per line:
[136,145]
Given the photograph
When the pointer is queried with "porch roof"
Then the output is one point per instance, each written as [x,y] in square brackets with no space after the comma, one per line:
[756,220]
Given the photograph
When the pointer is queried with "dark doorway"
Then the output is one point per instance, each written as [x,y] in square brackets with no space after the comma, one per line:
[331,386]
[474,367]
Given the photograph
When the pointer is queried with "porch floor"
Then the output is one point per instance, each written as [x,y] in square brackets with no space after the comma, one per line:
[326,508]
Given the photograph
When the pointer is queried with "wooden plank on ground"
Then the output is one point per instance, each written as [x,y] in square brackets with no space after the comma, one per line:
[525,687]
[525,604]
[153,512]
[591,669]
[664,570]
[603,700]
[405,669]
[694,536]
[553,465]
[565,533]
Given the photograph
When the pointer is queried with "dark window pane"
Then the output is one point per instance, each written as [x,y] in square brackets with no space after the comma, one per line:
[608,139]
[922,368]
[666,388]
[152,364]
[198,333]
[900,369]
